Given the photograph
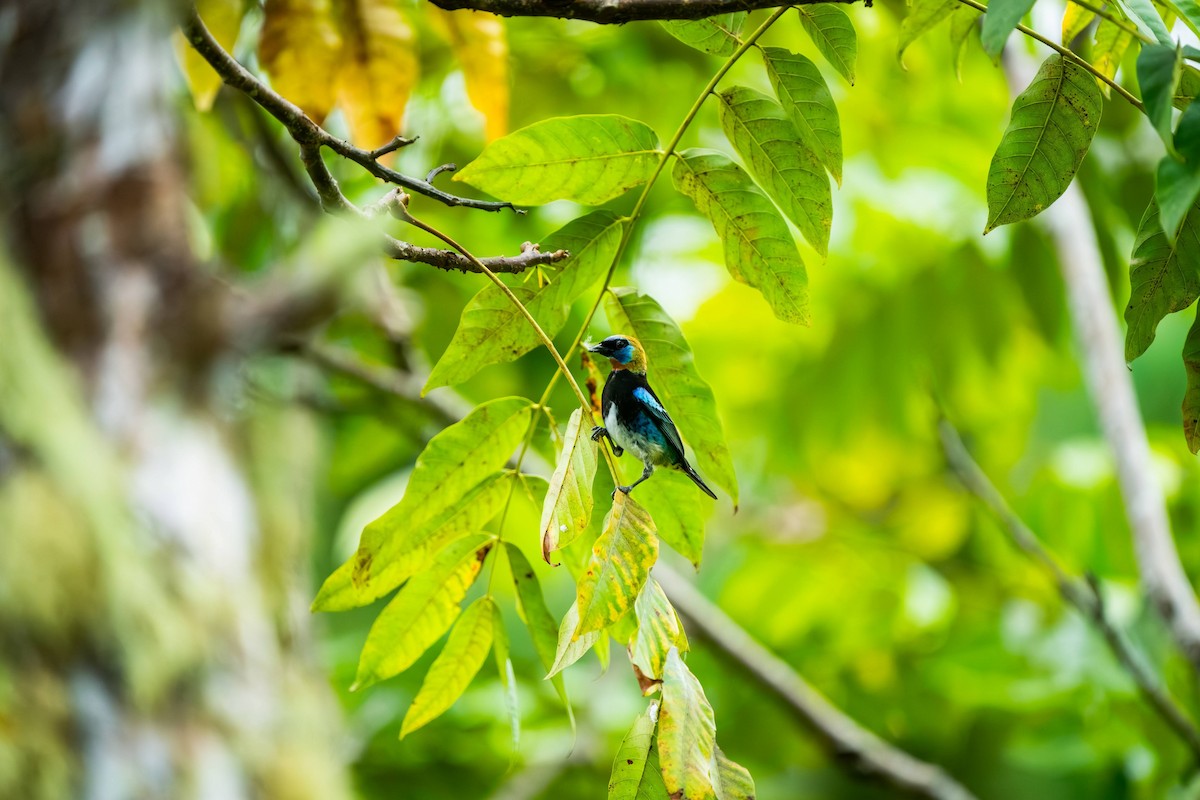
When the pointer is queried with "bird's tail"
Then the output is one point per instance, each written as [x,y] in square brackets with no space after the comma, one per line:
[695,476]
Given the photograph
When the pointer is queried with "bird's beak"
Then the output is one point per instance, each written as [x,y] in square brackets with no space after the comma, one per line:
[595,348]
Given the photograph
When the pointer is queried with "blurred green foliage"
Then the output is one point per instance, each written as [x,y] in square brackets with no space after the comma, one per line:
[855,555]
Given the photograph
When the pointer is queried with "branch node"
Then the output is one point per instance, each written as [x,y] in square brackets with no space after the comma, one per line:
[392,146]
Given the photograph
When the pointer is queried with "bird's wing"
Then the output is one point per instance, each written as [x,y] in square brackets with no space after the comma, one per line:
[658,415]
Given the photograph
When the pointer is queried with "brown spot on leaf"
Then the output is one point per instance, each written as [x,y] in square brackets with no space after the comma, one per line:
[629,761]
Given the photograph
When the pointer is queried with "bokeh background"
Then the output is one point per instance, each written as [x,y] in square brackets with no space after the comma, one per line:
[855,555]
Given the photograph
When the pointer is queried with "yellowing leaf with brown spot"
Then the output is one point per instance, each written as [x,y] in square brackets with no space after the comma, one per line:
[300,50]
[480,44]
[619,566]
[378,70]
[223,18]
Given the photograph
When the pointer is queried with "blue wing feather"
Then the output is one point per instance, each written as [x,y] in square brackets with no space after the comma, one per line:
[654,409]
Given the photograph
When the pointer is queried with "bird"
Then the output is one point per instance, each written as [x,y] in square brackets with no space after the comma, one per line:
[634,417]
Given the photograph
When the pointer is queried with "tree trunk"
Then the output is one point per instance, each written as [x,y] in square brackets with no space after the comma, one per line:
[154,631]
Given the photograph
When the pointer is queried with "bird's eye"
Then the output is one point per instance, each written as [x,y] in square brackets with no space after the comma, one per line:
[621,343]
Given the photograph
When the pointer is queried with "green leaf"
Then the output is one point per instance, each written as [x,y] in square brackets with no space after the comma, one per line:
[1163,278]
[1001,20]
[1191,397]
[759,249]
[923,16]
[793,176]
[677,380]
[447,491]
[962,21]
[1145,16]
[806,99]
[590,159]
[1188,11]
[1075,21]
[422,611]
[508,679]
[718,36]
[493,331]
[568,507]
[731,780]
[680,511]
[1108,50]
[532,607]
[1178,181]
[620,563]
[571,648]
[636,773]
[452,671]
[411,548]
[1159,69]
[833,34]
[1188,88]
[1052,125]
[658,630]
[687,733]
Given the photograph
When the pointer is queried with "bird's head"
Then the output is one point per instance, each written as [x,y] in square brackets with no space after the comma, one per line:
[624,352]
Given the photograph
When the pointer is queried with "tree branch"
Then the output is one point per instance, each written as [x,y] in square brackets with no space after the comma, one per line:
[1098,340]
[851,744]
[1085,596]
[618,11]
[304,130]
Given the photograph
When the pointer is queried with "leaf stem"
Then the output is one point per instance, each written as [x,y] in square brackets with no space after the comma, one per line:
[1120,23]
[668,151]
[1068,53]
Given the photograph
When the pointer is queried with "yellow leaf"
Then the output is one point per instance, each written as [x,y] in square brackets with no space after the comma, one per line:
[300,50]
[620,564]
[378,71]
[223,18]
[480,44]
[1075,20]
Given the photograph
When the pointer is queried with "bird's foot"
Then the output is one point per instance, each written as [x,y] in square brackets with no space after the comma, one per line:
[598,432]
[625,490]
[617,450]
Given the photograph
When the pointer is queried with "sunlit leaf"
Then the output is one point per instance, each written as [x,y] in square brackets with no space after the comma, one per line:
[923,16]
[793,176]
[223,18]
[687,733]
[570,647]
[677,381]
[1108,50]
[1000,21]
[1075,21]
[589,159]
[422,611]
[620,563]
[963,20]
[635,772]
[658,630]
[378,72]
[1177,183]
[716,35]
[1145,16]
[493,331]
[504,668]
[568,507]
[538,619]
[451,489]
[1052,125]
[1163,278]
[300,50]
[759,249]
[731,780]
[453,669]
[395,552]
[480,45]
[806,99]
[1191,397]
[1159,69]
[833,34]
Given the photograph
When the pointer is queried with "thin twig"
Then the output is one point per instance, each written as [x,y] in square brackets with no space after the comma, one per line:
[619,11]
[1120,23]
[1067,53]
[850,743]
[304,130]
[1085,596]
